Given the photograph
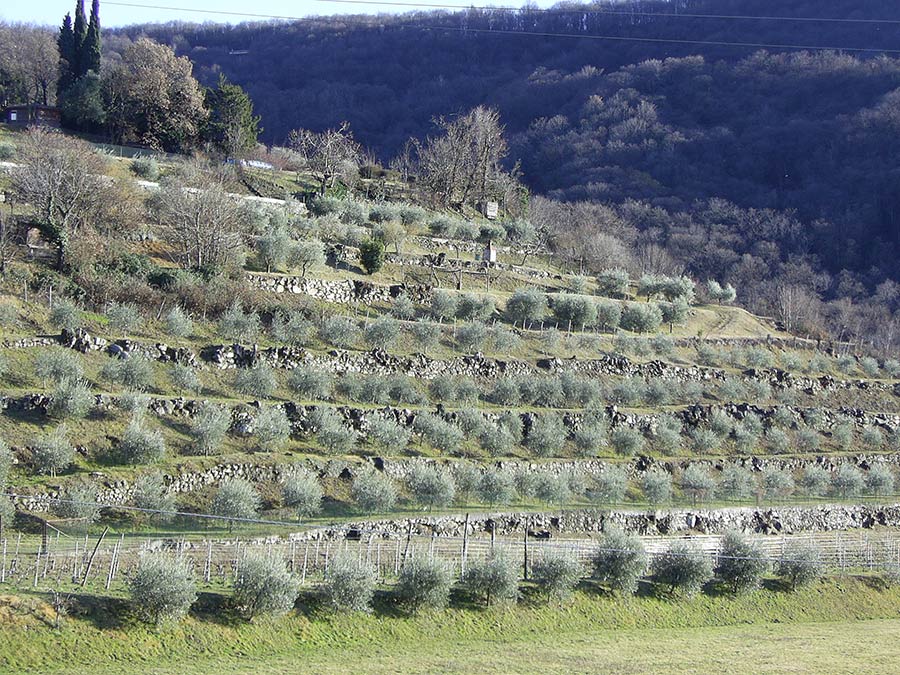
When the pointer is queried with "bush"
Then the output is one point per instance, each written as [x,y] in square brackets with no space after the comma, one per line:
[495,487]
[134,372]
[683,569]
[880,480]
[123,317]
[609,315]
[65,315]
[526,305]
[311,384]
[177,323]
[430,486]
[627,442]
[697,484]
[620,561]
[574,311]
[161,588]
[471,307]
[502,340]
[800,564]
[426,334]
[814,481]
[332,434]
[704,441]
[150,493]
[140,445]
[236,499]
[443,305]
[721,294]
[641,318]
[209,427]
[349,583]
[53,453]
[589,437]
[439,433]
[870,366]
[145,167]
[424,584]
[306,256]
[492,580]
[237,325]
[263,585]
[371,255]
[388,434]
[613,283]
[657,486]
[373,492]
[58,365]
[292,329]
[339,331]
[70,398]
[185,378]
[776,484]
[736,483]
[741,563]
[471,336]
[382,333]
[302,491]
[843,435]
[550,488]
[847,481]
[272,428]
[546,436]
[257,381]
[79,501]
[778,441]
[872,437]
[556,574]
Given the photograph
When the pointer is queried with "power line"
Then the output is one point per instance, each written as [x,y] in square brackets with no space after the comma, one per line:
[530,10]
[498,31]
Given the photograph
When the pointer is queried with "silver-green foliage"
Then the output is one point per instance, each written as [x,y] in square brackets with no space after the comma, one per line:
[70,399]
[134,372]
[800,564]
[263,585]
[150,493]
[140,444]
[373,492]
[177,323]
[58,365]
[556,573]
[258,381]
[740,563]
[620,561]
[349,583]
[272,428]
[53,452]
[301,490]
[683,568]
[236,499]
[431,486]
[424,583]
[209,427]
[162,588]
[494,579]
[657,486]
[388,435]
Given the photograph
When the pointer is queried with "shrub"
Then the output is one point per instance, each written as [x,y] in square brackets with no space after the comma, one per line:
[209,427]
[683,569]
[503,340]
[382,333]
[843,435]
[556,574]
[526,305]
[349,583]
[847,481]
[373,492]
[140,445]
[431,486]
[613,283]
[150,493]
[65,315]
[237,325]
[371,255]
[704,441]
[79,501]
[495,487]
[161,588]
[550,488]
[236,499]
[310,383]
[627,442]
[263,585]
[872,437]
[332,434]
[814,481]
[339,331]
[609,486]
[292,328]
[123,317]
[70,398]
[778,441]
[668,434]
[609,315]
[736,482]
[892,367]
[589,437]
[657,486]
[776,484]
[697,484]
[620,561]
[306,255]
[627,392]
[800,564]
[301,490]
[471,336]
[424,584]
[721,294]
[177,323]
[388,434]
[134,372]
[443,305]
[439,433]
[870,366]
[53,452]
[470,307]
[497,440]
[272,428]
[572,311]
[808,440]
[185,378]
[57,365]
[6,461]
[546,436]
[641,318]
[426,334]
[257,381]
[145,167]
[880,480]
[493,580]
[740,563]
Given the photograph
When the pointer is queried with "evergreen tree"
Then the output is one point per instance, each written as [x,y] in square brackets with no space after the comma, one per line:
[66,44]
[232,126]
[90,49]
[80,34]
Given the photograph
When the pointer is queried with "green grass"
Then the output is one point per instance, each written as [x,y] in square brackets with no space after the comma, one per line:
[838,626]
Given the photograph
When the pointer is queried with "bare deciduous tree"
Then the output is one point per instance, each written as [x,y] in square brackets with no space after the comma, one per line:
[327,154]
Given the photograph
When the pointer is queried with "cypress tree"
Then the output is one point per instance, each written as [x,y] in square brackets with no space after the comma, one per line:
[90,50]
[232,126]
[80,30]
[66,43]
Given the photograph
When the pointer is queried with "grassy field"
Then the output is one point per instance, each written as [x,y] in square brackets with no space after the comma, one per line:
[845,625]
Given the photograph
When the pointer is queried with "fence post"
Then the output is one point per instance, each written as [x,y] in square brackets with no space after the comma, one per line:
[90,562]
[465,547]
[525,561]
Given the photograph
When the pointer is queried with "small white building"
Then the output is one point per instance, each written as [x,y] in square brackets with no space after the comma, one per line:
[490,252]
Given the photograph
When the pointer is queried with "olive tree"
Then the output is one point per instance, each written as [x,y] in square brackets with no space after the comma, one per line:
[800,564]
[258,381]
[620,561]
[236,499]
[349,583]
[683,568]
[424,583]
[162,588]
[53,452]
[656,485]
[494,579]
[263,585]
[431,486]
[301,490]
[209,427]
[373,492]
[556,574]
[740,563]
[140,444]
